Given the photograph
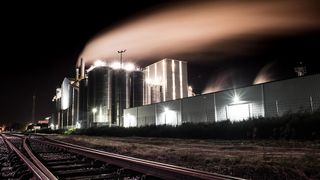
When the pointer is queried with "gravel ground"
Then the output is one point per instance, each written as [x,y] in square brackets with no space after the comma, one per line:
[247,159]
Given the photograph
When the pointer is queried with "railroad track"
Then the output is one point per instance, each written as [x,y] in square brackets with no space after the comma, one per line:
[14,164]
[61,160]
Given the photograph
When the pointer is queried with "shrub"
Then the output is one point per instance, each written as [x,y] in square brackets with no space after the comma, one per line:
[302,125]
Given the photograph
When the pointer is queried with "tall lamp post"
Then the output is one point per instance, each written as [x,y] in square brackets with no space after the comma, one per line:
[120,88]
[121,52]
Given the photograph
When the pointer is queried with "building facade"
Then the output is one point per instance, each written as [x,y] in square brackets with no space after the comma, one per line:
[66,105]
[165,80]
[263,100]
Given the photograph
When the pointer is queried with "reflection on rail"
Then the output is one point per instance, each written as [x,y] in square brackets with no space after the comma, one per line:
[60,160]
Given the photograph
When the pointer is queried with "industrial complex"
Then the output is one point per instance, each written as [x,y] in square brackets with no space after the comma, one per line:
[121,94]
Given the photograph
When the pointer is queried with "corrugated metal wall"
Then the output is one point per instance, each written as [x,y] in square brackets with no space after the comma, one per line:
[146,115]
[267,100]
[204,111]
[168,113]
[292,95]
[252,95]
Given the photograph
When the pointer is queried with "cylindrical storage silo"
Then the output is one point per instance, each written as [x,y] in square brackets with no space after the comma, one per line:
[137,80]
[120,95]
[83,103]
[99,96]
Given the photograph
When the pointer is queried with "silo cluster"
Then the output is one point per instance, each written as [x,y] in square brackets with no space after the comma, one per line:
[97,96]
[105,92]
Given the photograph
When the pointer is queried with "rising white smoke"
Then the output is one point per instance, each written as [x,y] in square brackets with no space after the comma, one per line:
[191,27]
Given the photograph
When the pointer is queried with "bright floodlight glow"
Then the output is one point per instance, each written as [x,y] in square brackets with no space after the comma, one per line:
[101,117]
[130,121]
[94,110]
[148,81]
[99,63]
[238,112]
[78,125]
[129,67]
[236,99]
[168,117]
[125,66]
[115,65]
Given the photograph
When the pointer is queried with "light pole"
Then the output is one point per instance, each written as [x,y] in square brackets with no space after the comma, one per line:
[121,52]
[33,108]
[94,110]
[120,87]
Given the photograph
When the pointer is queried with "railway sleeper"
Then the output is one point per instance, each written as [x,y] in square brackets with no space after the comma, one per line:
[93,177]
[62,162]
[61,159]
[84,172]
[127,173]
[21,172]
[113,175]
[70,166]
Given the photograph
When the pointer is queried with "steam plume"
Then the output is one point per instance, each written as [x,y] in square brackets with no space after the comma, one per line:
[190,27]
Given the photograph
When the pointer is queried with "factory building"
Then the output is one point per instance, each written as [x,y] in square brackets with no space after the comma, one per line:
[165,80]
[270,99]
[98,95]
[120,94]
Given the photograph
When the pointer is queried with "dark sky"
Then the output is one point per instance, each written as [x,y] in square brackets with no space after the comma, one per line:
[41,44]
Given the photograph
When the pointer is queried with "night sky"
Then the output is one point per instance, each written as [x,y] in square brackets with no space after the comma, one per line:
[41,44]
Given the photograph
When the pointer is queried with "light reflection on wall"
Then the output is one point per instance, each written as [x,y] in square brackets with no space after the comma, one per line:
[129,121]
[168,117]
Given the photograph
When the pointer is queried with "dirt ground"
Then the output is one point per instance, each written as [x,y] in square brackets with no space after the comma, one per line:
[246,159]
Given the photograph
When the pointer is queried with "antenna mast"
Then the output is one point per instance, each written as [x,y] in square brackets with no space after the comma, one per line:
[33,107]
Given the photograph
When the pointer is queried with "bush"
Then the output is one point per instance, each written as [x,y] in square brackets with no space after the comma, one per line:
[302,125]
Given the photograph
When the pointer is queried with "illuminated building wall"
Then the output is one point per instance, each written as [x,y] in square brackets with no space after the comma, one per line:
[56,115]
[99,96]
[83,103]
[111,89]
[165,80]
[68,112]
[263,100]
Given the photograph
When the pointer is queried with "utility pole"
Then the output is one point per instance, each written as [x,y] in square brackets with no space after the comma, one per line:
[121,52]
[33,107]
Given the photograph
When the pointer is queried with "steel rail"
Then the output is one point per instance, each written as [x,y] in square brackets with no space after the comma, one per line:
[41,166]
[160,170]
[33,168]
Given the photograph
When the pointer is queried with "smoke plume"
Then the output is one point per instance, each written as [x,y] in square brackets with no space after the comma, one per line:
[187,28]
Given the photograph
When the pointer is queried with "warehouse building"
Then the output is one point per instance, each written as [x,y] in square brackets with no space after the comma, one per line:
[263,100]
